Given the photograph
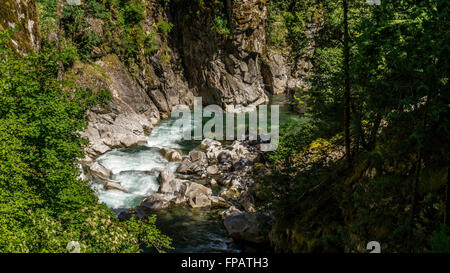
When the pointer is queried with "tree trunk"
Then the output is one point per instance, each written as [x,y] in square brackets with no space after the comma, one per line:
[447,200]
[346,84]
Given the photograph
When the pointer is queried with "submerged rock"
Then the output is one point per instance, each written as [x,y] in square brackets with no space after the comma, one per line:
[247,226]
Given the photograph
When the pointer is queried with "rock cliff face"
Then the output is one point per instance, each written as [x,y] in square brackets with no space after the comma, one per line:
[194,59]
[21,15]
[225,70]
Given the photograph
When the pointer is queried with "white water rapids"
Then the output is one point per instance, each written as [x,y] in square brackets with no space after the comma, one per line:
[137,169]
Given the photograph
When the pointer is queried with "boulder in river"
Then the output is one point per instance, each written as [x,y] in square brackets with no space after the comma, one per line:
[157,201]
[166,175]
[99,171]
[112,185]
[171,186]
[171,155]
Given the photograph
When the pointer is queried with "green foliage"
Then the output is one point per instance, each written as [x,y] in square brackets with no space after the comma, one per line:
[165,28]
[440,242]
[220,26]
[399,131]
[133,11]
[43,205]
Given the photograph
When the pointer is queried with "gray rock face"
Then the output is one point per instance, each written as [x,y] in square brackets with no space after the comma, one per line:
[226,70]
[276,72]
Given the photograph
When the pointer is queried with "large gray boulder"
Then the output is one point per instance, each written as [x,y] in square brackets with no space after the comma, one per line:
[157,201]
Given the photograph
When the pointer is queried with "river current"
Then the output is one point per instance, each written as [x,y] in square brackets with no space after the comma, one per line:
[137,169]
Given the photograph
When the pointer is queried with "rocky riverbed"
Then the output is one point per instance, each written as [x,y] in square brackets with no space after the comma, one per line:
[209,180]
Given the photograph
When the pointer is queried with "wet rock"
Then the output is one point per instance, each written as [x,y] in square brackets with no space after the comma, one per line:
[171,155]
[99,171]
[166,175]
[112,185]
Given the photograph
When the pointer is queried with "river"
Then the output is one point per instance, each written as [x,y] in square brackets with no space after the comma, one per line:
[137,169]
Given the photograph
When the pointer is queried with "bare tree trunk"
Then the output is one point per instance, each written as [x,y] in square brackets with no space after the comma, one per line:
[447,200]
[414,203]
[346,84]
[60,9]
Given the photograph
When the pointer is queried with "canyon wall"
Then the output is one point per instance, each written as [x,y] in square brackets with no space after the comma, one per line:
[192,59]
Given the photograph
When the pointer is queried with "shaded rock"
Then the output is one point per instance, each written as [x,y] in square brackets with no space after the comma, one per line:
[188,167]
[248,226]
[232,210]
[219,202]
[137,214]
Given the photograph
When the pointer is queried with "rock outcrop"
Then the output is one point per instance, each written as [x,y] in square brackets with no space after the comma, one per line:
[225,70]
[21,15]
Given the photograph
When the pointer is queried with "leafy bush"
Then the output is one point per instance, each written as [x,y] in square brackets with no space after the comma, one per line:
[43,204]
